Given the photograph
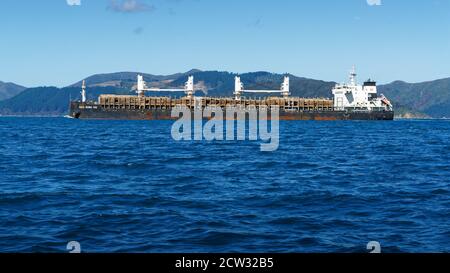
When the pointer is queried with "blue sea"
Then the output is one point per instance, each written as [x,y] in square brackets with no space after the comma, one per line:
[126,186]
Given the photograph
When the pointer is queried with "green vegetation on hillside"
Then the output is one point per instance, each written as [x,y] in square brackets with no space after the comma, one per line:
[48,100]
[429,98]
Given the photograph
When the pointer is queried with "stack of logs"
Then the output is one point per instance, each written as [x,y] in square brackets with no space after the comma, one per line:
[137,102]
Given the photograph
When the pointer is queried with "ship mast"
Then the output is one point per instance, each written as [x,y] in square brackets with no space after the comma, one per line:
[83,91]
[353,76]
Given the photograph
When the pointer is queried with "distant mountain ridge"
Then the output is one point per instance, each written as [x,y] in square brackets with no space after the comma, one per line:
[49,101]
[431,98]
[127,78]
[427,99]
[9,90]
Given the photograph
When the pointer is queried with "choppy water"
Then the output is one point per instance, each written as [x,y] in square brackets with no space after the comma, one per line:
[126,186]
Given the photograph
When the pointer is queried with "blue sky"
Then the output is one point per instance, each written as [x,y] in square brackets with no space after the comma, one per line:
[48,42]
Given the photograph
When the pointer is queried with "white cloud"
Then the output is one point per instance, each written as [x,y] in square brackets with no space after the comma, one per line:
[374,2]
[73,2]
[129,6]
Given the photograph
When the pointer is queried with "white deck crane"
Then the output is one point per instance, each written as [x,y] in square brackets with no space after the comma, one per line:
[239,88]
[142,87]
[83,91]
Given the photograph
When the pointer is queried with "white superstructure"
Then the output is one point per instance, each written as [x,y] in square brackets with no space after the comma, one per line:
[359,97]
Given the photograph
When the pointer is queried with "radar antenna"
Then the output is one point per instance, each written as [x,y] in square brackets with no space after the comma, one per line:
[353,76]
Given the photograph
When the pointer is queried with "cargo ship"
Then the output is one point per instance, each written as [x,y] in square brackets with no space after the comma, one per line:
[351,101]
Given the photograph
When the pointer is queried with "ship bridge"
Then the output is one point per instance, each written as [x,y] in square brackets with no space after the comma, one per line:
[362,97]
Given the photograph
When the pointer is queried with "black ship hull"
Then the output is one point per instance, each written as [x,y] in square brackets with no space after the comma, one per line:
[94,111]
